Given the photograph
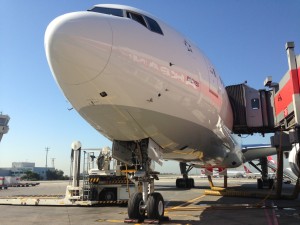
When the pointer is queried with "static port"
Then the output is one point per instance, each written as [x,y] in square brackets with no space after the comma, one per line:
[103,94]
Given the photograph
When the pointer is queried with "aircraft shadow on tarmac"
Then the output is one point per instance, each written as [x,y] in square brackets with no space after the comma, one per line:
[233,210]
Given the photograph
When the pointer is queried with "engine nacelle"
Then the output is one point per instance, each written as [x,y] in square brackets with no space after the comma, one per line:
[294,160]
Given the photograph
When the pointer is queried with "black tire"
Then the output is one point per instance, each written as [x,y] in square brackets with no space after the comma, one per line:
[134,209]
[181,183]
[260,184]
[190,183]
[155,206]
[271,183]
[185,183]
[108,194]
[94,194]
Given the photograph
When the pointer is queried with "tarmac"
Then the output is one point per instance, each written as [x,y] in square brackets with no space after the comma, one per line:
[182,206]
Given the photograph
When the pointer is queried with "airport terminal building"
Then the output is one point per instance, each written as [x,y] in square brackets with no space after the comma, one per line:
[18,169]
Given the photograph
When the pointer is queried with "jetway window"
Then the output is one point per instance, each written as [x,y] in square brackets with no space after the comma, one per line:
[108,11]
[255,103]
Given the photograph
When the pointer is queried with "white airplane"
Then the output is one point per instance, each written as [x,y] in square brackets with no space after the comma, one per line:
[147,88]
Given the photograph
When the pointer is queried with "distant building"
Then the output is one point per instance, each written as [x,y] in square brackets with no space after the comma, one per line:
[5,172]
[19,169]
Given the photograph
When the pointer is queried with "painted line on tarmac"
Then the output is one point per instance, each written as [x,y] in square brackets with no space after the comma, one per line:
[271,216]
[185,204]
[110,221]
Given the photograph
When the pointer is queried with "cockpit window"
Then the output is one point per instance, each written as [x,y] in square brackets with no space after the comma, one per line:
[146,21]
[153,25]
[109,11]
[136,17]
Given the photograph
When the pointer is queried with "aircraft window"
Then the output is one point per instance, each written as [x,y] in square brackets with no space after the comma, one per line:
[255,103]
[138,18]
[2,121]
[153,25]
[109,11]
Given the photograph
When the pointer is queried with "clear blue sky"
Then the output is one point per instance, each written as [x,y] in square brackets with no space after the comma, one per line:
[244,40]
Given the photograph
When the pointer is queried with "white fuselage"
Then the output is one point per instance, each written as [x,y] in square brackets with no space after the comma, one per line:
[132,83]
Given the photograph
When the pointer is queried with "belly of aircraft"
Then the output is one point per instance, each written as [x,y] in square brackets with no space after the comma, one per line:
[181,139]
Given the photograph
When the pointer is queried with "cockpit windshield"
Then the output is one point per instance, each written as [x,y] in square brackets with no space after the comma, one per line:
[146,21]
[108,11]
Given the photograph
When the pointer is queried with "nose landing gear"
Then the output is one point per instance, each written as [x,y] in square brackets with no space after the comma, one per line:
[147,204]
[135,207]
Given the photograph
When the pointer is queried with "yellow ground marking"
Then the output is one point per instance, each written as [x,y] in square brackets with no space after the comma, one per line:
[185,204]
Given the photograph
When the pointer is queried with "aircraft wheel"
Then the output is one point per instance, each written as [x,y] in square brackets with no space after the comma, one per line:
[135,210]
[190,183]
[260,183]
[185,183]
[271,183]
[155,206]
[181,183]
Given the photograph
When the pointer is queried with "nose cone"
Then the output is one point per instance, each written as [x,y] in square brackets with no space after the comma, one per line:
[78,47]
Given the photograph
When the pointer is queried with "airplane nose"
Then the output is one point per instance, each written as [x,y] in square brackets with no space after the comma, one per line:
[78,46]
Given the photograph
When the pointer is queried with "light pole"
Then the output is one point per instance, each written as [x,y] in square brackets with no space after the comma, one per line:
[53,162]
[47,150]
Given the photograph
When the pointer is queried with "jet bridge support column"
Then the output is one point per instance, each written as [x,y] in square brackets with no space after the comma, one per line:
[264,180]
[264,167]
[279,172]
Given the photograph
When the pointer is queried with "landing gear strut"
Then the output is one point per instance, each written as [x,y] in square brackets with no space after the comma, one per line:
[185,181]
[145,202]
[265,180]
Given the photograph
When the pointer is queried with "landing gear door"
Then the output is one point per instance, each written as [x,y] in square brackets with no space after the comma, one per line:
[155,152]
[121,150]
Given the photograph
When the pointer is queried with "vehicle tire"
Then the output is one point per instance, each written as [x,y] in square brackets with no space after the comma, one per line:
[94,194]
[155,206]
[108,194]
[134,207]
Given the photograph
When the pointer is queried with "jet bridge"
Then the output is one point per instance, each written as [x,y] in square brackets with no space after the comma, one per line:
[275,108]
[252,109]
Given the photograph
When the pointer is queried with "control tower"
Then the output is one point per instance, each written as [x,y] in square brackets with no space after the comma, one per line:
[4,119]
